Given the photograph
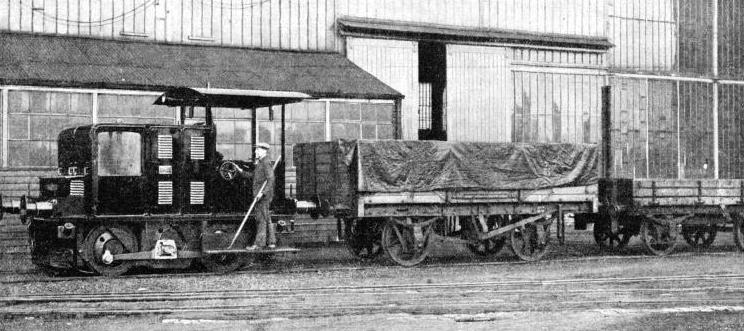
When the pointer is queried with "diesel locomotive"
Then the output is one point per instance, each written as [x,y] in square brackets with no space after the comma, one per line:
[159,196]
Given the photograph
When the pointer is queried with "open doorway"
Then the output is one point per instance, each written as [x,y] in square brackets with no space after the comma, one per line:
[432,91]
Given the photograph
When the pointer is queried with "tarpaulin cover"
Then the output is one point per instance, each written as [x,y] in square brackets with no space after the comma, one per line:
[418,166]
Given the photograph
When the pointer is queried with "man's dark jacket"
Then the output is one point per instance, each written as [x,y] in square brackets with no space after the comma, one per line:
[262,173]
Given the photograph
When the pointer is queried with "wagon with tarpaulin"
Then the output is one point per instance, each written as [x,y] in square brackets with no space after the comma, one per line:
[397,196]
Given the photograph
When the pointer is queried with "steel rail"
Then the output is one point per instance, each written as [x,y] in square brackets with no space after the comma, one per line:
[371,266]
[495,286]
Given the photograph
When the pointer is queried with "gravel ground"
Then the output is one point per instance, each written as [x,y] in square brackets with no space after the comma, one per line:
[589,320]
[578,260]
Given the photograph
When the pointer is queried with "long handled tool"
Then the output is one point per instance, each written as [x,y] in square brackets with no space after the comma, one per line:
[253,205]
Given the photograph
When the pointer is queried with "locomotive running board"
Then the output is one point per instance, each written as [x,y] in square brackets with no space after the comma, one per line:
[147,255]
[258,251]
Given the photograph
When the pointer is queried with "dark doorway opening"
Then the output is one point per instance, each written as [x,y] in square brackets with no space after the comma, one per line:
[432,91]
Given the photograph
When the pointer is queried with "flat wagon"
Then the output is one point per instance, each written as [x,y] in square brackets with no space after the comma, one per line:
[659,210]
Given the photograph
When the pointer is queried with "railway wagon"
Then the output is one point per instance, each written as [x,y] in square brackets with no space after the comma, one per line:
[659,210]
[398,196]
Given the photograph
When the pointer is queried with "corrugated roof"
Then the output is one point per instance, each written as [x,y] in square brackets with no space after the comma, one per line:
[357,26]
[33,59]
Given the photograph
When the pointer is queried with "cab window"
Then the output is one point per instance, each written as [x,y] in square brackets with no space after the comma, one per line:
[119,153]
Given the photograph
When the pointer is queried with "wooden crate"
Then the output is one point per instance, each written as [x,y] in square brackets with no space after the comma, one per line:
[322,173]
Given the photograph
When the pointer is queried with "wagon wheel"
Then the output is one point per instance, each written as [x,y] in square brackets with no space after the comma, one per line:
[700,236]
[488,247]
[658,237]
[103,242]
[531,241]
[739,231]
[363,238]
[400,244]
[223,263]
[606,240]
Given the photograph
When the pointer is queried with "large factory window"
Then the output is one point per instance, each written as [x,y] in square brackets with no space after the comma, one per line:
[119,154]
[125,108]
[365,120]
[34,120]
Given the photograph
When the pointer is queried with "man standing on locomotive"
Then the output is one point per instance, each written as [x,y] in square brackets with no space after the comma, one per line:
[263,173]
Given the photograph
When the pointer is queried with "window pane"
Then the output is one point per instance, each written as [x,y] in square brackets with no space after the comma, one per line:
[344,111]
[345,131]
[18,126]
[369,131]
[316,111]
[119,154]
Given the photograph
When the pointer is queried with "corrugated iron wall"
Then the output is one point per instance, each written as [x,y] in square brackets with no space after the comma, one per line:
[644,34]
[286,24]
[731,39]
[695,36]
[731,131]
[568,58]
[630,110]
[663,128]
[477,87]
[395,63]
[696,129]
[667,35]
[557,107]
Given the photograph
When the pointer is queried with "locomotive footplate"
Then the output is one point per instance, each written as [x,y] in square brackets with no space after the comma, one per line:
[148,255]
[261,251]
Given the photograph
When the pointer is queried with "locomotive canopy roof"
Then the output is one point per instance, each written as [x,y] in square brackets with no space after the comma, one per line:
[228,98]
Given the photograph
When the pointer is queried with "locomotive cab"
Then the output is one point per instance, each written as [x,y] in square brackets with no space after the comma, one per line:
[115,169]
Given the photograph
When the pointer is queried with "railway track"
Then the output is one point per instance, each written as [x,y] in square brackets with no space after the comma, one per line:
[415,298]
[32,276]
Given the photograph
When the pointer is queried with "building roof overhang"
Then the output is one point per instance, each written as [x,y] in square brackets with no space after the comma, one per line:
[366,27]
[82,62]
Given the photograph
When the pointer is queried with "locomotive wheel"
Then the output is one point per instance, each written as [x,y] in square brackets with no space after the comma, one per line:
[399,244]
[659,239]
[223,263]
[606,240]
[700,236]
[531,241]
[488,247]
[105,241]
[363,239]
[739,232]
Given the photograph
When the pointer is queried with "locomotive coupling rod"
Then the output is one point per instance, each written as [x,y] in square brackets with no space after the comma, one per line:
[507,228]
[253,205]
